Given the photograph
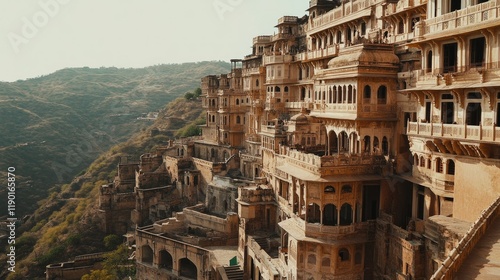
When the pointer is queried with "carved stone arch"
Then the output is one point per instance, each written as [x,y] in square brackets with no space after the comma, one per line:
[459,97]
[488,96]
[434,96]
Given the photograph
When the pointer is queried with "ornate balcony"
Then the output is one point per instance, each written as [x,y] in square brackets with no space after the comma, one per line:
[455,131]
[472,17]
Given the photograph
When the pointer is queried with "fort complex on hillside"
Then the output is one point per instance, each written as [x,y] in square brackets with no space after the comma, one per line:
[361,141]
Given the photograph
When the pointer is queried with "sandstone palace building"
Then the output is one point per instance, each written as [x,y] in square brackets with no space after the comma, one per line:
[360,141]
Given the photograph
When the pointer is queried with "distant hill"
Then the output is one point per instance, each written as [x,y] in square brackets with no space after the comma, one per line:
[65,224]
[54,126]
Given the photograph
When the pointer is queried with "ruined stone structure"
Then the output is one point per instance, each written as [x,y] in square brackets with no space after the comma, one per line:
[361,141]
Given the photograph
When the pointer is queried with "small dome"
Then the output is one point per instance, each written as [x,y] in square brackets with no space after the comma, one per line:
[300,118]
[364,56]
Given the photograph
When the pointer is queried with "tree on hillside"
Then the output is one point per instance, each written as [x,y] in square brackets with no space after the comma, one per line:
[197,92]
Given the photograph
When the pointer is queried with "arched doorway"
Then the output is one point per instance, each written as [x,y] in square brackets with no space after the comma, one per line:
[166,260]
[187,269]
[330,215]
[332,143]
[147,255]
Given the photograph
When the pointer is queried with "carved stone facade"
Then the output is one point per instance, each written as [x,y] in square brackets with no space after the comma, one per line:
[359,142]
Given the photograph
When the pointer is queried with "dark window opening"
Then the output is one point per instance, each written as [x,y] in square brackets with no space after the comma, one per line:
[439,165]
[429,62]
[330,215]
[345,215]
[382,95]
[330,189]
[166,260]
[428,111]
[313,213]
[147,254]
[498,114]
[447,112]
[477,52]
[344,255]
[455,5]
[188,269]
[371,200]
[401,27]
[346,189]
[450,58]
[451,167]
[473,114]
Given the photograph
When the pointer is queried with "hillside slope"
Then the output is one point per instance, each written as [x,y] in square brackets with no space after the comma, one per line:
[65,224]
[56,125]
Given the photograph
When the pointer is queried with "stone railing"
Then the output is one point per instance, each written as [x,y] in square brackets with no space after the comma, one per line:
[262,39]
[451,265]
[403,5]
[299,105]
[339,13]
[455,131]
[271,59]
[487,11]
[329,51]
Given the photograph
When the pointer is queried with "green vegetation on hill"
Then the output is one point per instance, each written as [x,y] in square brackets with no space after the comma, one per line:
[65,224]
[54,126]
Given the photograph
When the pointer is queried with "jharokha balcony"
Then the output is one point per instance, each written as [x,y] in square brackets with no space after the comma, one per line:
[308,166]
[456,131]
[473,17]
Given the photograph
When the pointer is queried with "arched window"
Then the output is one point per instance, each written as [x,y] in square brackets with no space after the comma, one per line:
[366,141]
[367,94]
[429,62]
[238,119]
[313,213]
[330,215]
[257,82]
[344,255]
[329,189]
[188,269]
[237,102]
[346,189]
[277,89]
[147,254]
[166,260]
[311,259]
[415,160]
[451,167]
[439,165]
[422,161]
[376,147]
[349,94]
[385,146]
[345,215]
[382,95]
[286,89]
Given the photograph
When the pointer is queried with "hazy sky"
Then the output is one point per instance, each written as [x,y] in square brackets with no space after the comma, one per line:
[38,37]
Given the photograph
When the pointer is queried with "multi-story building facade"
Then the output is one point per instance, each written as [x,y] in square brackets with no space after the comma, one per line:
[361,141]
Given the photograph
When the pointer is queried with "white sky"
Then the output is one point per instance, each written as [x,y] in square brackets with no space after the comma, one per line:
[38,37]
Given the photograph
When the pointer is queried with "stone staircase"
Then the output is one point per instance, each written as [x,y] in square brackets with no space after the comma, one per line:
[233,272]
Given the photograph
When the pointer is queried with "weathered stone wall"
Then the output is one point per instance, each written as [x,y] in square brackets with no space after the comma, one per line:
[476,192]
